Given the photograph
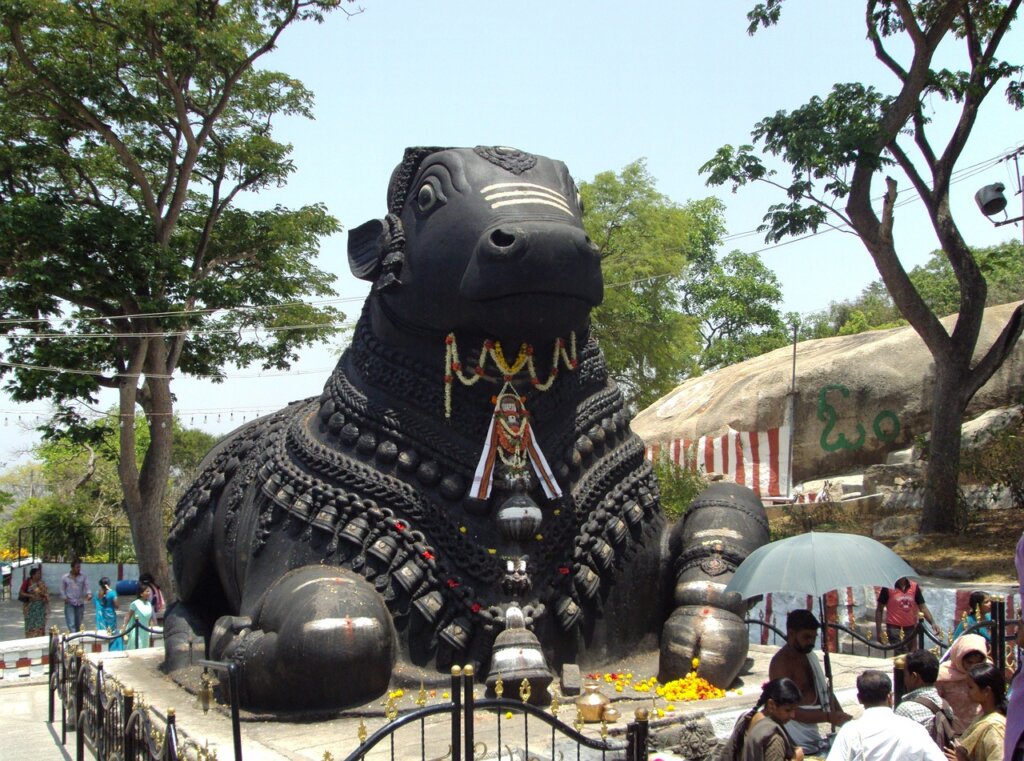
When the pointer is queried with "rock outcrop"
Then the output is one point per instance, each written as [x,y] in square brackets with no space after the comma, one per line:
[858,398]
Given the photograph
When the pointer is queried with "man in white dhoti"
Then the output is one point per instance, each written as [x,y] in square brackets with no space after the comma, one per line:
[798,661]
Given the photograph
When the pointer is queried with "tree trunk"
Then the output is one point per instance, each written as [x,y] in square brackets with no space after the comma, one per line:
[941,485]
[144,487]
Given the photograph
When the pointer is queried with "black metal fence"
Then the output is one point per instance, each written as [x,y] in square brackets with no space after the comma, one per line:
[112,542]
[106,716]
[548,736]
[111,722]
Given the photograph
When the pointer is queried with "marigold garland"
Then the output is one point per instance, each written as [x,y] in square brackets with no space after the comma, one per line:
[690,688]
[453,367]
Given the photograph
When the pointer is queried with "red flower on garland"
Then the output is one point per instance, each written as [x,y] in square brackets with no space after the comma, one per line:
[475,607]
[452,583]
[399,526]
[564,570]
[427,555]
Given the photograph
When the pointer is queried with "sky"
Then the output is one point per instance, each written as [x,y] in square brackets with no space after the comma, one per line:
[596,84]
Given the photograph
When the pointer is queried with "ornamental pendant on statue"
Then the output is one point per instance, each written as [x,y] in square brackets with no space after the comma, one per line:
[505,465]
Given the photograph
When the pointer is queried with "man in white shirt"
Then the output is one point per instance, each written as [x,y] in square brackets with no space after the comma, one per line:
[879,734]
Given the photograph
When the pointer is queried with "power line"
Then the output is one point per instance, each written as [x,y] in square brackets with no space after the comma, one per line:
[185,312]
[164,376]
[173,333]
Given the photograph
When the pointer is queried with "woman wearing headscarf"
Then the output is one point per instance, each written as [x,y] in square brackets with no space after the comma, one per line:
[953,682]
[35,598]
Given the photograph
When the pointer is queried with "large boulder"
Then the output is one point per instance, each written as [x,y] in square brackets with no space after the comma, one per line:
[857,397]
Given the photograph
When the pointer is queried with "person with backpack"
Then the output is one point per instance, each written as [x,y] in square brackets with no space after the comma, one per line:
[922,701]
[759,734]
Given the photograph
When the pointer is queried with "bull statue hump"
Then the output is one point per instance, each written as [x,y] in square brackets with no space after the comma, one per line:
[467,474]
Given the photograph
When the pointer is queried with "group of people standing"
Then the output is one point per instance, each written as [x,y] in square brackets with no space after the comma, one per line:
[954,711]
[143,612]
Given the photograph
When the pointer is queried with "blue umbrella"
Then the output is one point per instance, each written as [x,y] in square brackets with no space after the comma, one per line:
[815,563]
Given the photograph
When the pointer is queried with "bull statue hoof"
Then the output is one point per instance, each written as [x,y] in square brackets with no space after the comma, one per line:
[468,469]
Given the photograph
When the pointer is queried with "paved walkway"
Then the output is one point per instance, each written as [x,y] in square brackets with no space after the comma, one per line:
[25,732]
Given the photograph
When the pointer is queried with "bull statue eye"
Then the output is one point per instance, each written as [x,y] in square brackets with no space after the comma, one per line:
[426,197]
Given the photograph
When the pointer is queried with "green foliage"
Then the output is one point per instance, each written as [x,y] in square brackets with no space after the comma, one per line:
[63,531]
[735,300]
[678,487]
[1002,267]
[645,242]
[1000,462]
[24,516]
[128,130]
[79,473]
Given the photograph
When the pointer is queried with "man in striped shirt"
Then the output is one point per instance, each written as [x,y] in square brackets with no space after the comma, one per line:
[920,670]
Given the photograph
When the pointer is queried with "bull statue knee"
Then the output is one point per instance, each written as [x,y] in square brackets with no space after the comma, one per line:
[467,474]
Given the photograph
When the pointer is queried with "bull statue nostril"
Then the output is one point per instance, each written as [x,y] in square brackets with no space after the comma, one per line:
[502,239]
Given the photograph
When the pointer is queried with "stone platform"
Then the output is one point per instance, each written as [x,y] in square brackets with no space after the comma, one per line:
[308,740]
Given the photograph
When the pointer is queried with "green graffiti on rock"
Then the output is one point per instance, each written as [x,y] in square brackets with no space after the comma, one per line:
[827,414]
[886,426]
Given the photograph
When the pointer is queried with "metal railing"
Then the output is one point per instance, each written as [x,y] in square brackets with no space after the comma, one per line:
[466,743]
[108,719]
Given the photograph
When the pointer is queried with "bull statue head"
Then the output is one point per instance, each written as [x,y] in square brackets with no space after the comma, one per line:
[484,241]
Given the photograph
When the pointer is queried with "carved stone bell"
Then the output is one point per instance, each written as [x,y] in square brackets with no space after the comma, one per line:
[517,656]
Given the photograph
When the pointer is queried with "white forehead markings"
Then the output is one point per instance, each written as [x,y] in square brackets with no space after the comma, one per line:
[519,193]
[497,185]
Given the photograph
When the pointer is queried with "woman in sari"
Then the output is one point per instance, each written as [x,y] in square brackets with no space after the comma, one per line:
[139,612]
[36,602]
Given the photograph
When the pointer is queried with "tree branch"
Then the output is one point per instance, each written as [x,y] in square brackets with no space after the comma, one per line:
[88,117]
[876,41]
[996,354]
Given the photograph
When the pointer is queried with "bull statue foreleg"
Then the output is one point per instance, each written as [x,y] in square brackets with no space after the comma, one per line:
[318,631]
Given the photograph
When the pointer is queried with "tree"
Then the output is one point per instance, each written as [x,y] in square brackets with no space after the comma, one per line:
[1001,265]
[127,132]
[77,480]
[835,147]
[735,302]
[645,241]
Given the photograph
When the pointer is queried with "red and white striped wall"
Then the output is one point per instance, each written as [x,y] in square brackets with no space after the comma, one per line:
[756,459]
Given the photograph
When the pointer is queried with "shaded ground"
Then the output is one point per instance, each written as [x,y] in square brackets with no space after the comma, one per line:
[984,552]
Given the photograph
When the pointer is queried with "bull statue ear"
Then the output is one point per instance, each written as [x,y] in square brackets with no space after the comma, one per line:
[366,249]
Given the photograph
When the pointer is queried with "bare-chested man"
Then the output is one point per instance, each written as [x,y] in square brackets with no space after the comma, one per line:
[797,661]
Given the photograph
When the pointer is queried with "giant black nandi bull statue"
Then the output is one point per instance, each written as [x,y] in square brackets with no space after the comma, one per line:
[468,470]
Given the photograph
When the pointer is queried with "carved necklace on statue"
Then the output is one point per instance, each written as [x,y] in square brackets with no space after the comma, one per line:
[492,349]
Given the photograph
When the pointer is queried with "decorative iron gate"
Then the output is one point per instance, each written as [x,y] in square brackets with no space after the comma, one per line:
[552,739]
